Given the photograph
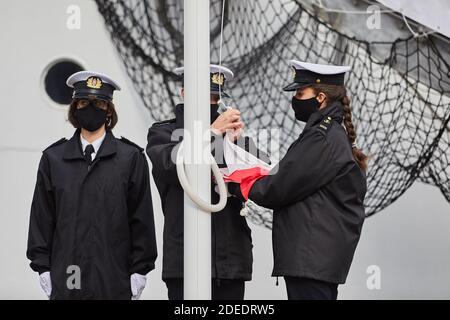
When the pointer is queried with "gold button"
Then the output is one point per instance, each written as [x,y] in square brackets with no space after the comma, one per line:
[317,80]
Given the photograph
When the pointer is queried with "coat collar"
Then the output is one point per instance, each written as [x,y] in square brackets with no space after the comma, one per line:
[73,150]
[179,114]
[335,110]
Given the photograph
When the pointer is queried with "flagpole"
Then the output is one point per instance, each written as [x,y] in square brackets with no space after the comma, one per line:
[197,223]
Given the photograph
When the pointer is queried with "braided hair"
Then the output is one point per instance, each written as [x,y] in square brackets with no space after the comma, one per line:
[339,93]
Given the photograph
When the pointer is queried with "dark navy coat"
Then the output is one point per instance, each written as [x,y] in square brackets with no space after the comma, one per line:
[317,192]
[98,218]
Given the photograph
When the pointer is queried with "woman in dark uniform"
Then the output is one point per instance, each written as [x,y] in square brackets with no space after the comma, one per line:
[317,190]
[92,233]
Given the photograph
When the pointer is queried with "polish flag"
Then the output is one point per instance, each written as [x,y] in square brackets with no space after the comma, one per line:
[242,167]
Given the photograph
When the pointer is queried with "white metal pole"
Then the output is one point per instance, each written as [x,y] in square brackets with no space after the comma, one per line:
[197,223]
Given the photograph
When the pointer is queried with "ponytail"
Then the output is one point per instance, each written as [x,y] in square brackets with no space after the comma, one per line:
[359,156]
[339,93]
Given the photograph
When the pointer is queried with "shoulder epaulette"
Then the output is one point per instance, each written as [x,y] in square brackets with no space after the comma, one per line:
[56,143]
[325,124]
[131,143]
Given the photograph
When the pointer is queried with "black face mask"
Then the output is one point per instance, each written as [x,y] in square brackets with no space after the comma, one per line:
[214,112]
[90,117]
[304,108]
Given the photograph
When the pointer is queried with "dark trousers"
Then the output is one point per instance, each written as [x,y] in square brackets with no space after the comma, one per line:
[310,289]
[222,289]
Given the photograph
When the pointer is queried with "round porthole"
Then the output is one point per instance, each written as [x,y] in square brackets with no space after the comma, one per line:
[54,80]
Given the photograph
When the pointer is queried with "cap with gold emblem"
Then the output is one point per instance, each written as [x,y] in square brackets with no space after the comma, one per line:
[305,73]
[218,76]
[91,84]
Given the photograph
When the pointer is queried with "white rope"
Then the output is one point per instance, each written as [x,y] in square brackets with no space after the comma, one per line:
[220,46]
[181,172]
[321,6]
[415,34]
[245,211]
[221,104]
[189,190]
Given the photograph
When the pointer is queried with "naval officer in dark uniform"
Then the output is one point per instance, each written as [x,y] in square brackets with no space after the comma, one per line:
[231,236]
[317,190]
[91,233]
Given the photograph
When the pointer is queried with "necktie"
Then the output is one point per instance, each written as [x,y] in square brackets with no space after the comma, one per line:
[88,151]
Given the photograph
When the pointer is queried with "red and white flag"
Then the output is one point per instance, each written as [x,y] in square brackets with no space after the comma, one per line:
[242,167]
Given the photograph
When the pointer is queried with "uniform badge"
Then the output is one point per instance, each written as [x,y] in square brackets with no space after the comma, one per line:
[94,82]
[218,78]
[325,124]
[293,73]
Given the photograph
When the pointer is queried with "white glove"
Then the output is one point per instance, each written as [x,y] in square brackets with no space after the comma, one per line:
[138,282]
[46,283]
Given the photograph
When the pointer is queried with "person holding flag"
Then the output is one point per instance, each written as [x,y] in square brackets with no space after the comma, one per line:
[317,190]
[231,240]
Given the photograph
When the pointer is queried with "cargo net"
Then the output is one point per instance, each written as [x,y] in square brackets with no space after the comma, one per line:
[400,104]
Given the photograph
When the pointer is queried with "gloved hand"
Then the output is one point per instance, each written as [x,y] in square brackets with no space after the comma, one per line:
[46,283]
[138,282]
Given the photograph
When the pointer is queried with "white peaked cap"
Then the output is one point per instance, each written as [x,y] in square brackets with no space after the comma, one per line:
[84,75]
[319,68]
[213,68]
